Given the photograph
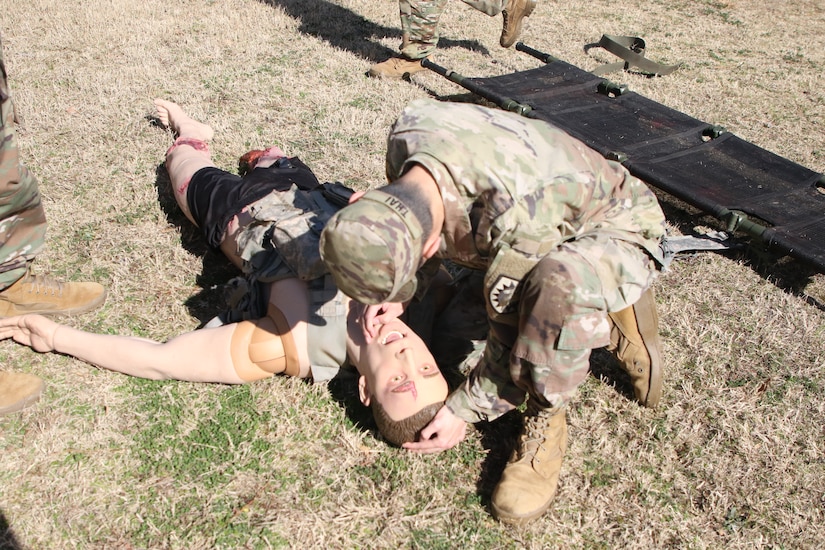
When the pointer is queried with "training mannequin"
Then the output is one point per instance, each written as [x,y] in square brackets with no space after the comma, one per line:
[288,303]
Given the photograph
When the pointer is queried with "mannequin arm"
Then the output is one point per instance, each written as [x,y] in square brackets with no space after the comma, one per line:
[197,356]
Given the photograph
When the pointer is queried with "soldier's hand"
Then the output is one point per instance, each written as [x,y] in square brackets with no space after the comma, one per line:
[444,431]
[375,316]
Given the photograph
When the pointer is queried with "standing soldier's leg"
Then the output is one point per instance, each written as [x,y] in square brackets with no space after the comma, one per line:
[419,38]
[18,390]
[561,318]
[22,229]
[563,315]
[419,27]
[22,219]
[513,13]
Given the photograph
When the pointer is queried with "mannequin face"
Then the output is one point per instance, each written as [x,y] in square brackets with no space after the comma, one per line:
[398,370]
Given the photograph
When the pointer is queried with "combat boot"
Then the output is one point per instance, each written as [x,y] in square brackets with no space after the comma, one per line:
[45,295]
[514,13]
[395,68]
[531,477]
[634,340]
[18,391]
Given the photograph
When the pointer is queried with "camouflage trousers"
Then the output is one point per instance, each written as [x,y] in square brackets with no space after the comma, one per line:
[22,219]
[541,350]
[419,23]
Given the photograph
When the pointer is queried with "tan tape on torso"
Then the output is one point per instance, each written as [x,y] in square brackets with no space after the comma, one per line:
[264,347]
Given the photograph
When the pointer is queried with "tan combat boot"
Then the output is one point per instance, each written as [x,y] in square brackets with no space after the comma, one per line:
[18,391]
[395,67]
[634,340]
[43,294]
[531,476]
[514,13]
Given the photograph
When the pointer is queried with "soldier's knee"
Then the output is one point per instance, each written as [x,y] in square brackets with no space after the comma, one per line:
[550,286]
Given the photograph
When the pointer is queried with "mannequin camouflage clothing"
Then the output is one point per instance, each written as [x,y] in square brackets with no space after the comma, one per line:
[22,219]
[563,235]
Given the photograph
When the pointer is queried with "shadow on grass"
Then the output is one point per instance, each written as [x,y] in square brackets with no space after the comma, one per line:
[346,30]
[499,438]
[8,541]
[605,367]
[344,391]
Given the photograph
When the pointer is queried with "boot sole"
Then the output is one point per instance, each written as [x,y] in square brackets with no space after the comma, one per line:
[649,330]
[519,521]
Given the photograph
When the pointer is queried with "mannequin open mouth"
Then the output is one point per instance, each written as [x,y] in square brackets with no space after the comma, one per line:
[391,337]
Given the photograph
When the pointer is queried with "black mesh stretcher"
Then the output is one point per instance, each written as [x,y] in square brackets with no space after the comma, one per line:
[748,188]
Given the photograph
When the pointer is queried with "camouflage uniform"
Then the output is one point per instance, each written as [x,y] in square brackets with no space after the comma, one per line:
[22,218]
[419,23]
[563,235]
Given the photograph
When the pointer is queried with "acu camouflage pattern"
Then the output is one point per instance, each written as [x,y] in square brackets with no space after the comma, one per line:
[516,192]
[22,218]
[419,23]
[373,249]
[281,240]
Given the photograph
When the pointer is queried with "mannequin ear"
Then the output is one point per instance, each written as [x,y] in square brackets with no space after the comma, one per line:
[363,391]
[355,196]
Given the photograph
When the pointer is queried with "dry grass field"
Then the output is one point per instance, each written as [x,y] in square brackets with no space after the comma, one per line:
[733,458]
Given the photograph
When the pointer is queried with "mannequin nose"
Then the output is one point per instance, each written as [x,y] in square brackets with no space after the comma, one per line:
[407,359]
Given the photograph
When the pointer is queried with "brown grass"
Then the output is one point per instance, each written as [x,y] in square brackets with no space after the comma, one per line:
[733,458]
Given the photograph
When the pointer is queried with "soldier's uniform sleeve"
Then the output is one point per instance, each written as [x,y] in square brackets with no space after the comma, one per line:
[22,219]
[489,391]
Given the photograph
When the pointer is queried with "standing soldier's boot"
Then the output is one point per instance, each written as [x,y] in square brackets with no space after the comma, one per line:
[47,296]
[18,390]
[514,13]
[396,68]
[531,476]
[634,340]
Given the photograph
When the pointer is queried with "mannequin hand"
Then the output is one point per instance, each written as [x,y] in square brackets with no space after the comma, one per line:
[34,331]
